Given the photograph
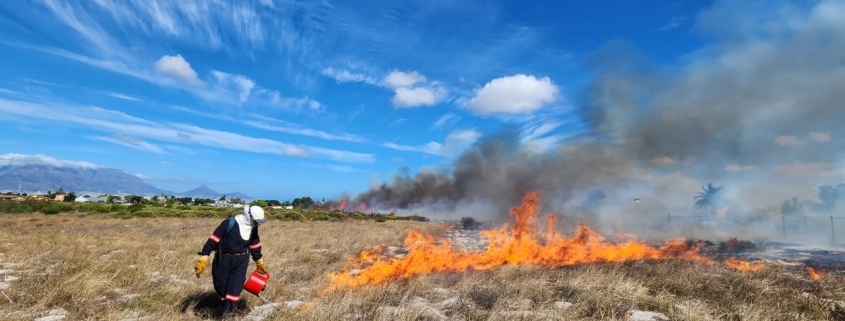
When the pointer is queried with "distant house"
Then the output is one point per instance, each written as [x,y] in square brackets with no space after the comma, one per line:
[220,203]
[16,198]
[91,199]
[289,207]
[59,197]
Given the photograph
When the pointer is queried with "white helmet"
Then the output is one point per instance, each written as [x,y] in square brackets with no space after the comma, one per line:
[255,213]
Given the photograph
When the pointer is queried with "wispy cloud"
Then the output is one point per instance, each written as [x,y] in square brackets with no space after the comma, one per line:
[203,22]
[276,125]
[674,23]
[93,90]
[445,119]
[335,168]
[290,128]
[113,121]
[38,159]
[130,142]
[119,95]
[540,136]
[342,75]
[428,148]
[455,143]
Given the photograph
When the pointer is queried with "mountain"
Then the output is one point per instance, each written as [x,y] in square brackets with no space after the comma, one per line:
[203,191]
[43,178]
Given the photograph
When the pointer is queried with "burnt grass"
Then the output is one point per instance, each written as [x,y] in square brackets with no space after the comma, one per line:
[102,268]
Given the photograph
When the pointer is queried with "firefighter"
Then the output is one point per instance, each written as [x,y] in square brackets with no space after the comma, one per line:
[233,241]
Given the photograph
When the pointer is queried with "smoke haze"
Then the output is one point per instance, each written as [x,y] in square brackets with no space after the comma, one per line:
[759,111]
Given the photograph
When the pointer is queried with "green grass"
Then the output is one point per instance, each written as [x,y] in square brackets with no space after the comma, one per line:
[161,210]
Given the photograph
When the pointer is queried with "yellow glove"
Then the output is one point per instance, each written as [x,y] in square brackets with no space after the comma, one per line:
[261,267]
[200,266]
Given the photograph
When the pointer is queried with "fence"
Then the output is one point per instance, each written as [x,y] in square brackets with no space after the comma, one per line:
[792,228]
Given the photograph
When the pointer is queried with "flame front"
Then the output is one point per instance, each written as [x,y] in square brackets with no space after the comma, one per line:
[817,275]
[522,244]
[744,265]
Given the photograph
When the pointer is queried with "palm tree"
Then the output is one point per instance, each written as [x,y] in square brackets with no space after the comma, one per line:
[707,198]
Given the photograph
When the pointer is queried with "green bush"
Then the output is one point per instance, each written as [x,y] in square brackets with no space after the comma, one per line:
[50,209]
[159,210]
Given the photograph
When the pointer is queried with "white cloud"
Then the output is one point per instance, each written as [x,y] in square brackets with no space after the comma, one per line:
[399,79]
[537,136]
[515,94]
[408,94]
[113,121]
[290,128]
[341,168]
[445,118]
[130,142]
[805,168]
[122,96]
[787,140]
[410,87]
[820,137]
[675,22]
[733,168]
[348,76]
[205,23]
[242,85]
[13,159]
[177,68]
[419,96]
[268,3]
[663,161]
[429,148]
[455,143]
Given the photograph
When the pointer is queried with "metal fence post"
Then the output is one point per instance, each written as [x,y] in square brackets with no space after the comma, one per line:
[783,219]
[832,233]
[805,228]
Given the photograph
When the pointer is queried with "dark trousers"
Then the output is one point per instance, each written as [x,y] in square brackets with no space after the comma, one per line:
[229,273]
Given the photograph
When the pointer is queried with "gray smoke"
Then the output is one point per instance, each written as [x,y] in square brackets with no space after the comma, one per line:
[760,112]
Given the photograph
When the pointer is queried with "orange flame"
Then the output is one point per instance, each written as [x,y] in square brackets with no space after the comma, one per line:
[523,244]
[342,205]
[744,265]
[816,274]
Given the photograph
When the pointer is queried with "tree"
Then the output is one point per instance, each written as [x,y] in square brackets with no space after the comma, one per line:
[222,198]
[61,190]
[154,199]
[70,197]
[273,203]
[708,198]
[829,196]
[134,199]
[302,201]
[259,203]
[791,208]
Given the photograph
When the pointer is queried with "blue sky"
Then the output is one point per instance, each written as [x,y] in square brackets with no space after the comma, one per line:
[280,99]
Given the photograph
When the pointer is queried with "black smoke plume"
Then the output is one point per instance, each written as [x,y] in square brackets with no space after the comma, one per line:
[759,111]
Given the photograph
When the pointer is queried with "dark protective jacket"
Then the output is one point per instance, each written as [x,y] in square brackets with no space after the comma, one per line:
[232,242]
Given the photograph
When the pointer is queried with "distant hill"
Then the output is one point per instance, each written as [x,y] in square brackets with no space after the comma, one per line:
[43,178]
[203,191]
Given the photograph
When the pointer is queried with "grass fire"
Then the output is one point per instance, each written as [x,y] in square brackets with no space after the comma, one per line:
[98,267]
[523,243]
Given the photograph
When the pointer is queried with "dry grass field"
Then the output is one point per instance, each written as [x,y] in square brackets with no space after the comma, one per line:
[92,267]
